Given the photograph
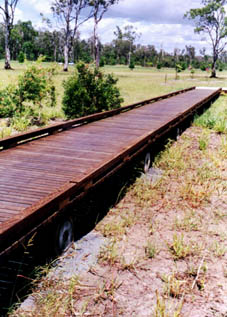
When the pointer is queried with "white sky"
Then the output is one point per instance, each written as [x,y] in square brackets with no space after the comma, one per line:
[160,22]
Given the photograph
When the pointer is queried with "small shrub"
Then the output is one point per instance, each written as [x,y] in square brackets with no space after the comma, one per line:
[21,123]
[5,132]
[89,91]
[8,101]
[132,64]
[102,62]
[183,65]
[159,65]
[203,67]
[192,71]
[21,57]
[179,68]
[24,102]
[149,64]
[36,85]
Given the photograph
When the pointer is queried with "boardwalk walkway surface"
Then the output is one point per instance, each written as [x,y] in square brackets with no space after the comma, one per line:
[38,176]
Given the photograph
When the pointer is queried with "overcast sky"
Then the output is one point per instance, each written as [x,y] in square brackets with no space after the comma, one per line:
[160,23]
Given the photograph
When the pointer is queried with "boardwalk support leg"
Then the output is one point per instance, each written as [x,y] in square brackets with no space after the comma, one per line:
[147,162]
[64,236]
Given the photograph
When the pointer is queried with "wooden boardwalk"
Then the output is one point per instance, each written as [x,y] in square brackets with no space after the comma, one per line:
[40,177]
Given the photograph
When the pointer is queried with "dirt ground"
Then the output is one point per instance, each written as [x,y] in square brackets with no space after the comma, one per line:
[165,243]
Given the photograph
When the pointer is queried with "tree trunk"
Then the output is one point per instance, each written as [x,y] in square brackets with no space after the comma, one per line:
[55,52]
[97,60]
[213,70]
[66,49]
[7,37]
[66,57]
[215,58]
[7,58]
[96,45]
[67,45]
[129,57]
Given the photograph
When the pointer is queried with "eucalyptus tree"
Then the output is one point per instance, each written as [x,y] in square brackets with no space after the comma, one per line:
[130,35]
[70,14]
[190,53]
[99,9]
[7,10]
[211,19]
[124,42]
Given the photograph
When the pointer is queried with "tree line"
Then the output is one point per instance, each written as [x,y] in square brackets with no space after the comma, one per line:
[26,41]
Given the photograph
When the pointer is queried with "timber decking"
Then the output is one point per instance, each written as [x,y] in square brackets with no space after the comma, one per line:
[34,173]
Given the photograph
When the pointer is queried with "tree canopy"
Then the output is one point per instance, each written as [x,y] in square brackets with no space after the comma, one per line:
[68,13]
[99,9]
[211,19]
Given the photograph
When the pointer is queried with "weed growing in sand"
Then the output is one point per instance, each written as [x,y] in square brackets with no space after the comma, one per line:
[151,250]
[219,214]
[203,141]
[173,157]
[163,309]
[195,194]
[128,265]
[145,193]
[180,249]
[117,226]
[152,227]
[192,269]
[188,223]
[173,286]
[107,290]
[223,147]
[109,254]
[218,249]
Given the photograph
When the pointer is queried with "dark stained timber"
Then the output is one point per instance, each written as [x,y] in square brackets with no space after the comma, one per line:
[44,170]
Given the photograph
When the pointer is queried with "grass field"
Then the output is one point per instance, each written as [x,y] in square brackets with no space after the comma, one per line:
[143,83]
[137,85]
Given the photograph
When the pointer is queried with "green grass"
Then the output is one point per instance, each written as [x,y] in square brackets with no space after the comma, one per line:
[215,117]
[137,85]
[143,83]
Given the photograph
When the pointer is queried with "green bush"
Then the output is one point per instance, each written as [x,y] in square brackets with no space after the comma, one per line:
[159,65]
[102,62]
[89,91]
[25,101]
[21,57]
[36,85]
[8,101]
[21,122]
[132,64]
[203,67]
[149,64]
[178,68]
[183,65]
